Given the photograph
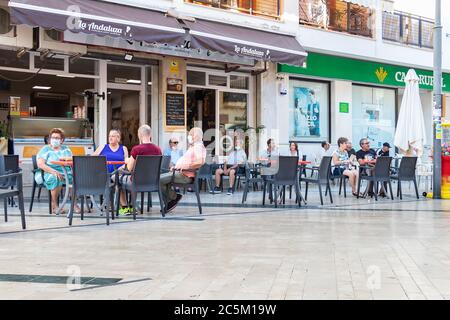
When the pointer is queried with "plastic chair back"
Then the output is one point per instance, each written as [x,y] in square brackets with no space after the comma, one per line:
[383,167]
[287,171]
[407,169]
[145,176]
[90,175]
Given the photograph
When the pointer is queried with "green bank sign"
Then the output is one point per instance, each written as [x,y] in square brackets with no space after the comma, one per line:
[326,66]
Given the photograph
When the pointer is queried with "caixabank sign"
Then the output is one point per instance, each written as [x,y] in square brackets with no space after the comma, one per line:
[333,67]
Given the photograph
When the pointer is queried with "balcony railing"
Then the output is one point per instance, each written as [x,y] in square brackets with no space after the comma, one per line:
[337,15]
[408,29]
[265,8]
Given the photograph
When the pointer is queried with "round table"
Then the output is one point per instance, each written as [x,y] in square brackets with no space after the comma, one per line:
[69,163]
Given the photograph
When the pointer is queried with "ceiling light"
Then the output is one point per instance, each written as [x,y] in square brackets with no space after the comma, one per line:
[75,57]
[134,81]
[44,54]
[21,52]
[128,56]
[65,76]
[41,88]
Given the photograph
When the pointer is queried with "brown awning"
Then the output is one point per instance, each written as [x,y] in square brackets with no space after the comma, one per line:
[98,18]
[246,42]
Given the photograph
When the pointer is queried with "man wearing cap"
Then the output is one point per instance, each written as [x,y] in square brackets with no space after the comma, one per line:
[384,151]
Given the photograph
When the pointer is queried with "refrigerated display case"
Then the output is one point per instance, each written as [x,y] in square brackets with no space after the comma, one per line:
[28,135]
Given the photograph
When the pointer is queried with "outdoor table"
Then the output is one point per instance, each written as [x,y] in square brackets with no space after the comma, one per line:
[69,163]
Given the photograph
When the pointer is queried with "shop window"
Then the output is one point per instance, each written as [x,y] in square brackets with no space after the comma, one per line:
[49,63]
[308,110]
[82,66]
[373,115]
[124,74]
[233,110]
[5,22]
[196,78]
[14,59]
[214,80]
[238,82]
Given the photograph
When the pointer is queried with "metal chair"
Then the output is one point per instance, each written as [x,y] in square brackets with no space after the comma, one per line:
[35,184]
[252,177]
[13,186]
[165,168]
[323,178]
[381,173]
[9,164]
[406,172]
[200,174]
[144,178]
[165,164]
[90,178]
[286,175]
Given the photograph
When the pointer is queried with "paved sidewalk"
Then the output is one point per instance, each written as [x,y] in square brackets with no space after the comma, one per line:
[353,249]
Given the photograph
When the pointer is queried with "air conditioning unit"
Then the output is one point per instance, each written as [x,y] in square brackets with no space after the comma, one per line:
[54,41]
[16,36]
[51,96]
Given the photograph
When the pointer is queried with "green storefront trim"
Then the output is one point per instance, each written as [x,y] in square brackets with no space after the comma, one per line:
[333,67]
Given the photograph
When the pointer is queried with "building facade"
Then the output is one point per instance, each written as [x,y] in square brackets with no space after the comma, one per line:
[349,85]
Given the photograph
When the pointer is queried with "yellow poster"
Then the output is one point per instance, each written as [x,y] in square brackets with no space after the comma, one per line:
[174,67]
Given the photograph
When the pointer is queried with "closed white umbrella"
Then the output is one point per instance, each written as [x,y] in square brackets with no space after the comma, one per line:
[410,133]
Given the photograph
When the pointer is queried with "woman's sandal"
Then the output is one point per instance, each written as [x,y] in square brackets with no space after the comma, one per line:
[360,195]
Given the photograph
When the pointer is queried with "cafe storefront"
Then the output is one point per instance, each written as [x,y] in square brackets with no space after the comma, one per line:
[169,72]
[339,96]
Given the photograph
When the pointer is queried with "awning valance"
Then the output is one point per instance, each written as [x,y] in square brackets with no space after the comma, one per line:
[98,18]
[246,42]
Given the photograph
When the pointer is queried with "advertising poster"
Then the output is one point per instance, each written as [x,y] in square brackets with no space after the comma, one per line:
[308,111]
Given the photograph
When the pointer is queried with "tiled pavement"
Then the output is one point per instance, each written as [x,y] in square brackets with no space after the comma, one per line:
[353,249]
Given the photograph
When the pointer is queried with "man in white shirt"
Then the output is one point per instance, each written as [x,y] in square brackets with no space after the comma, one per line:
[325,150]
[230,167]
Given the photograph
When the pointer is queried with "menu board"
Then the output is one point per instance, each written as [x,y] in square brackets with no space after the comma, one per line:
[175,111]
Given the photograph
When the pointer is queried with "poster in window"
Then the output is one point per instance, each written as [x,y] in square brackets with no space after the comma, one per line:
[308,111]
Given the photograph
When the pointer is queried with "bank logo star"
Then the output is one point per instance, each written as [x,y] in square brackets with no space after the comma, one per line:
[381,74]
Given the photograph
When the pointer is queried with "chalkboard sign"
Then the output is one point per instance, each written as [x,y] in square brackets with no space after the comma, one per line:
[175,110]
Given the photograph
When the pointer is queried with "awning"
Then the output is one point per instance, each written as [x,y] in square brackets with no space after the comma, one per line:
[245,42]
[98,18]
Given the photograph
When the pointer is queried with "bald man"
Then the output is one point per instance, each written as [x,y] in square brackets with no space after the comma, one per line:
[193,159]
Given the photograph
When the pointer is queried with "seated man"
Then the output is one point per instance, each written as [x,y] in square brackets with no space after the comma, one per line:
[364,155]
[230,166]
[193,159]
[144,148]
[384,151]
[173,151]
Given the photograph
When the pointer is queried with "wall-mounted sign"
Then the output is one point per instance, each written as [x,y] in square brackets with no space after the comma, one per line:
[175,111]
[334,67]
[343,107]
[174,67]
[174,84]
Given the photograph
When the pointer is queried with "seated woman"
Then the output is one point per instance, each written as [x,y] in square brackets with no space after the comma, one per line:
[113,150]
[54,174]
[344,166]
[231,165]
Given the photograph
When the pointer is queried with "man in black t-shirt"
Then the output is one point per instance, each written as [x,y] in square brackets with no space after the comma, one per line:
[366,153]
[384,151]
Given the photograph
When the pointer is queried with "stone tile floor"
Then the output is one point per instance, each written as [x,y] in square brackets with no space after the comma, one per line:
[352,249]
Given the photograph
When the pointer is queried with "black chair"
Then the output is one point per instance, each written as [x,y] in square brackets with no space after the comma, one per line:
[342,179]
[323,178]
[252,177]
[9,164]
[406,172]
[90,178]
[35,184]
[12,186]
[165,164]
[144,178]
[204,174]
[381,173]
[200,174]
[286,175]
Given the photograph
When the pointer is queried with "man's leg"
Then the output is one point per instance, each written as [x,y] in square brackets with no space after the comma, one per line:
[164,183]
[232,177]
[219,173]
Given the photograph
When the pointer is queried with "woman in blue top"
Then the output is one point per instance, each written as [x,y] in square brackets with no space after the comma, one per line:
[53,174]
[113,150]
